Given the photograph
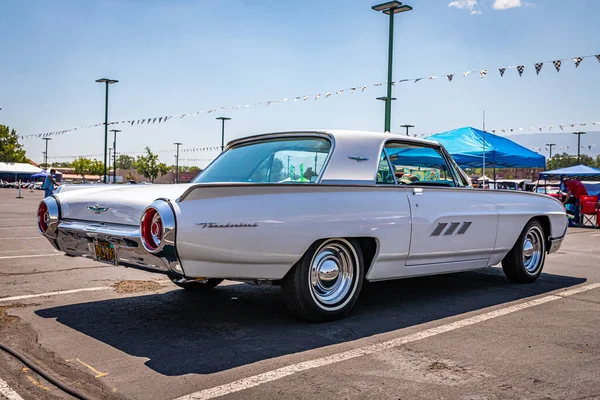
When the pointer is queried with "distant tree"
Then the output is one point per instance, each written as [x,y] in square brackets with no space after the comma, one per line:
[10,148]
[565,160]
[85,166]
[149,167]
[125,162]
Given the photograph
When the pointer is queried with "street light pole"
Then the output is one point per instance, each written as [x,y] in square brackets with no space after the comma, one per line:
[578,145]
[107,82]
[114,131]
[223,119]
[390,8]
[550,145]
[46,152]
[407,126]
[177,162]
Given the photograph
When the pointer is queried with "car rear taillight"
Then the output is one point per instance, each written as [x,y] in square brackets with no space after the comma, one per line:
[43,217]
[151,229]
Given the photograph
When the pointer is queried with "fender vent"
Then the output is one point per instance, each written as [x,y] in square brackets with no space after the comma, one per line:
[439,228]
[452,228]
[464,227]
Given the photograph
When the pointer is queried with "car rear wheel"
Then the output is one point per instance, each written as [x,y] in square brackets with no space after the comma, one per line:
[199,286]
[524,262]
[324,285]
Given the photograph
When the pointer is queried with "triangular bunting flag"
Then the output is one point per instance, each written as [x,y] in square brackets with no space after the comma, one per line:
[418,79]
[450,77]
[538,68]
[557,65]
[577,61]
[520,68]
[598,57]
[561,127]
[502,71]
[483,73]
[362,89]
[327,94]
[465,74]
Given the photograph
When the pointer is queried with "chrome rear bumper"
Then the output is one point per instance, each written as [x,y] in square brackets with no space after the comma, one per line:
[77,238]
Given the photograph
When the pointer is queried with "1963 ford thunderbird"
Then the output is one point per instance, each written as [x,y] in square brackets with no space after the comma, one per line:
[316,212]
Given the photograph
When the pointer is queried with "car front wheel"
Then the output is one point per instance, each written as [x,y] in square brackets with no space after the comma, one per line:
[324,285]
[524,262]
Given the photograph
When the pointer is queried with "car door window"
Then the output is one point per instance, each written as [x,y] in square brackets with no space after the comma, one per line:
[419,164]
[385,175]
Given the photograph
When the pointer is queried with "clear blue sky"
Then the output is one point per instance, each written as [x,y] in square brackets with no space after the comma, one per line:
[173,57]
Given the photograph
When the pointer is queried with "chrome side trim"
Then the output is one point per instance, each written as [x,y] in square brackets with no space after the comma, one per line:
[464,227]
[451,228]
[439,228]
[555,245]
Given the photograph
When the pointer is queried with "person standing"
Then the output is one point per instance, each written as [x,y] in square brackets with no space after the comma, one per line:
[575,189]
[49,183]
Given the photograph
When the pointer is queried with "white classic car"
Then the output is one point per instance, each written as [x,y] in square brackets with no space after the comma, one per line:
[317,212]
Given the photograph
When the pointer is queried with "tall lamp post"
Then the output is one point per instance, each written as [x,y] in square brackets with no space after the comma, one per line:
[407,126]
[107,82]
[115,131]
[177,162]
[550,145]
[390,8]
[46,152]
[223,119]
[578,145]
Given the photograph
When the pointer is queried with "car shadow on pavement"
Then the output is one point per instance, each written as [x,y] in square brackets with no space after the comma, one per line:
[181,332]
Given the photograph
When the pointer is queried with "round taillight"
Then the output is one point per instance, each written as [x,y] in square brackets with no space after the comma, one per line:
[43,217]
[151,229]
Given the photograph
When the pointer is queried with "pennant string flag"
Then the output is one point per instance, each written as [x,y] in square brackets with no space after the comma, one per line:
[557,65]
[164,119]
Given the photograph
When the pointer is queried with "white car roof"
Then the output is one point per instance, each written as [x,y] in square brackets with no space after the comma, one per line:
[355,155]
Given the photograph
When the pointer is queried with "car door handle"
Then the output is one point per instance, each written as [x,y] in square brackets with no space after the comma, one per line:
[417,192]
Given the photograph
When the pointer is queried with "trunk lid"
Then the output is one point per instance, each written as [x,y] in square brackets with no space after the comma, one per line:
[117,204]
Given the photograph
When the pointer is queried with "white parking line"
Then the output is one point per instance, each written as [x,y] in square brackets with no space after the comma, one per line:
[32,296]
[279,373]
[23,238]
[7,392]
[32,255]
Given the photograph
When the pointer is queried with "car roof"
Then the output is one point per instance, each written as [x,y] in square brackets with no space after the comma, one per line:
[340,134]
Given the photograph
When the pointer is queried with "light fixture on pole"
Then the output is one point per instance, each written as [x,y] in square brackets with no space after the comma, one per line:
[46,152]
[114,131]
[578,145]
[550,145]
[223,119]
[407,126]
[177,162]
[390,8]
[107,82]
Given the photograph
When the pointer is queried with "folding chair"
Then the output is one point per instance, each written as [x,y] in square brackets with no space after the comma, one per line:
[589,210]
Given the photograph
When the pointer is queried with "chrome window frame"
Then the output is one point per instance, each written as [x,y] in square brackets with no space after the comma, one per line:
[441,151]
[390,165]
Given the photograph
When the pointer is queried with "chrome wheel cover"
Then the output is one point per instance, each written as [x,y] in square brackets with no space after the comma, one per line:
[332,274]
[533,248]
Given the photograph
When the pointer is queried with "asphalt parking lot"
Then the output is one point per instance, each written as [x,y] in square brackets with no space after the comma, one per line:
[118,333]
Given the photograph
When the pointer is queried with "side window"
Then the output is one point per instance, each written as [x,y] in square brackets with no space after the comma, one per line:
[418,164]
[385,175]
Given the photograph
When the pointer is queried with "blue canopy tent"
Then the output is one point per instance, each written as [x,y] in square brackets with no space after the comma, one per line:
[41,174]
[581,171]
[468,145]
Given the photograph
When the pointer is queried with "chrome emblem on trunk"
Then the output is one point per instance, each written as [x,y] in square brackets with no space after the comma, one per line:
[97,209]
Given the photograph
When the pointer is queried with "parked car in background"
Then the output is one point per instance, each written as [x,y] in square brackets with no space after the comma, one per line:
[316,212]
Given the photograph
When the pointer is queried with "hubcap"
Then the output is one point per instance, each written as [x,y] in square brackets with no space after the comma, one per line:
[332,273]
[532,250]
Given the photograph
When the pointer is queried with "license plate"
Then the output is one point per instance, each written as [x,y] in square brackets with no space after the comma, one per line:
[105,252]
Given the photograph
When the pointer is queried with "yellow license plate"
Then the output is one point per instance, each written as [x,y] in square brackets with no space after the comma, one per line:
[105,252]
